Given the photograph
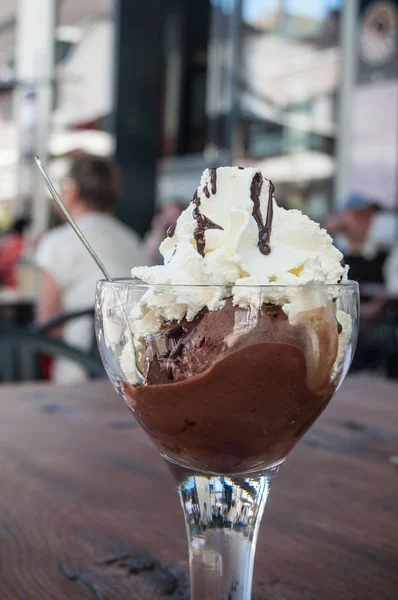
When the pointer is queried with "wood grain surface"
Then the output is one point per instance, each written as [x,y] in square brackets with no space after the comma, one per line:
[88,510]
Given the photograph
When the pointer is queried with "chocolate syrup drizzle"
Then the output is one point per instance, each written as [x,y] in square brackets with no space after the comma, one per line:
[213,183]
[204,223]
[171,230]
[264,231]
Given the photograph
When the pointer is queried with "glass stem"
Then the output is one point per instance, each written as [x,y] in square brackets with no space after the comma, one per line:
[222,516]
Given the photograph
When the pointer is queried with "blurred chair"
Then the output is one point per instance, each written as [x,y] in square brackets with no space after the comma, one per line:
[377,348]
[20,348]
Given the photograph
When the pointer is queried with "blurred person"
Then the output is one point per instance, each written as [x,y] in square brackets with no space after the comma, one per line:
[232,516]
[68,273]
[243,518]
[218,518]
[351,227]
[377,347]
[161,222]
[367,235]
[391,272]
[11,250]
[378,341]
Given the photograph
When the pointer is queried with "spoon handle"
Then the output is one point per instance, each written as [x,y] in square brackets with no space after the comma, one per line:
[70,220]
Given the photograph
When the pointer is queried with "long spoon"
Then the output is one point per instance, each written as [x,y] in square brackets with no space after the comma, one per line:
[89,248]
[71,221]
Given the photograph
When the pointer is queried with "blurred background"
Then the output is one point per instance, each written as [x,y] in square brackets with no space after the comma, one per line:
[307,91]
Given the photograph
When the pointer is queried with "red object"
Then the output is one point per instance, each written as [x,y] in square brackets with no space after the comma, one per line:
[10,253]
[46,366]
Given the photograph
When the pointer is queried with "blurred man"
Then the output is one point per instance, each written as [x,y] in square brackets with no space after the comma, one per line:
[68,273]
[365,234]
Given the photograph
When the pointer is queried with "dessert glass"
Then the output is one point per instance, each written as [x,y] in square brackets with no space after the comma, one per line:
[225,398]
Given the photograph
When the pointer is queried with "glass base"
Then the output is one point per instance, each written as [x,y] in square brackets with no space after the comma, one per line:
[222,517]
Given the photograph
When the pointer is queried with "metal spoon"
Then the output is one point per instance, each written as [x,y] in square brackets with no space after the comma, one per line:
[71,221]
[93,254]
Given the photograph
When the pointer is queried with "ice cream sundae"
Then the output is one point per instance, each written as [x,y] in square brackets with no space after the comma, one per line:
[239,340]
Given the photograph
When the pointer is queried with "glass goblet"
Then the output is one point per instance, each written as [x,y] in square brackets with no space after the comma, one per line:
[225,397]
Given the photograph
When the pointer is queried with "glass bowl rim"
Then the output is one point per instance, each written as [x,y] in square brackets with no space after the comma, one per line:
[139,284]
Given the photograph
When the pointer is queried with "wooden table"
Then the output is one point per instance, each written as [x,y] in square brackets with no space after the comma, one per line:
[88,510]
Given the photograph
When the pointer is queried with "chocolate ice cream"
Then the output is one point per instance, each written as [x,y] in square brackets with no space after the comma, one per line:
[235,389]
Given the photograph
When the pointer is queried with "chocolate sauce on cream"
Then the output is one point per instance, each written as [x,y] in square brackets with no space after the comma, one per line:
[264,230]
[171,230]
[213,181]
[204,223]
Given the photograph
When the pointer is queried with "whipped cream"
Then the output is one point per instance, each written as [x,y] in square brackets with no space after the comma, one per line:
[230,241]
[343,362]
[227,238]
